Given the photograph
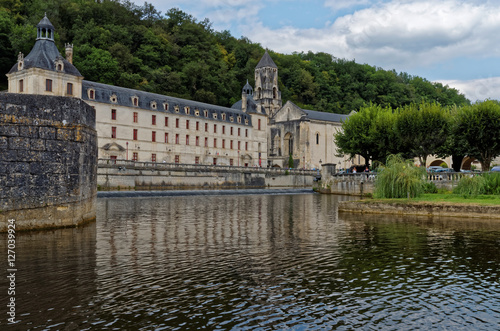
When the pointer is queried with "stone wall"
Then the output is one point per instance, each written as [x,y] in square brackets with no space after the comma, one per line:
[167,176]
[48,161]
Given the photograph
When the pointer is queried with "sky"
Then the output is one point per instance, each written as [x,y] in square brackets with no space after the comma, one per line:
[454,42]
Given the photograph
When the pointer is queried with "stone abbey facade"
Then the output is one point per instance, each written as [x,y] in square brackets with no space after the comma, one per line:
[257,131]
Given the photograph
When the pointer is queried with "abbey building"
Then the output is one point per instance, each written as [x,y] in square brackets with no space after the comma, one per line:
[257,131]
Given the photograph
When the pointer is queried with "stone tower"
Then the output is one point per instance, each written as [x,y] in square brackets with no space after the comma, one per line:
[267,93]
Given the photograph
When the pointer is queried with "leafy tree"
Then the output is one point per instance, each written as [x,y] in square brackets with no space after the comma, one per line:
[476,128]
[422,130]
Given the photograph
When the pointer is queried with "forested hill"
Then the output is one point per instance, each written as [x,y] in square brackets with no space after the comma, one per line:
[119,43]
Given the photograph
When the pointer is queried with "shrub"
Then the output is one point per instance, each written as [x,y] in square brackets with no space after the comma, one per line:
[444,165]
[399,179]
[429,187]
[470,186]
[492,183]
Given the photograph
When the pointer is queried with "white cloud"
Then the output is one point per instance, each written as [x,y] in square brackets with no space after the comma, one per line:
[477,89]
[402,34]
[344,4]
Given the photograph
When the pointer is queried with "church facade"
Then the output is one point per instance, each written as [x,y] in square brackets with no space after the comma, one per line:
[257,131]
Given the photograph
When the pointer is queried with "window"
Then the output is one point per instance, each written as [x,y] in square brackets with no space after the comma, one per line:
[258,125]
[69,89]
[246,145]
[206,127]
[153,119]
[176,122]
[187,110]
[187,124]
[166,120]
[113,158]
[136,116]
[215,142]
[223,116]
[230,162]
[205,113]
[91,93]
[223,143]
[215,116]
[206,142]
[197,126]
[197,141]
[239,132]
[21,85]
[153,136]
[215,128]
[231,131]
[135,101]
[187,139]
[59,67]
[113,132]
[113,114]
[153,104]
[215,161]
[239,145]
[239,119]
[48,85]
[231,144]
[165,106]
[153,157]
[196,160]
[317,138]
[166,137]
[135,134]
[177,139]
[246,132]
[223,129]
[177,159]
[135,156]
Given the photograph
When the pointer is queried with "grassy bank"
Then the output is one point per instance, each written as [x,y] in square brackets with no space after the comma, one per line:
[443,198]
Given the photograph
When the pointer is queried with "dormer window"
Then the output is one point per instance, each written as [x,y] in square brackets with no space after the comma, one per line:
[239,119]
[153,104]
[205,113]
[215,116]
[176,108]
[187,110]
[197,112]
[165,106]
[113,98]
[59,64]
[20,61]
[135,101]
[231,119]
[91,94]
[223,116]
[246,121]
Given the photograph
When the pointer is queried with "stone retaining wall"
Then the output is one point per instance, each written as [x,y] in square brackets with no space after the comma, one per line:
[48,161]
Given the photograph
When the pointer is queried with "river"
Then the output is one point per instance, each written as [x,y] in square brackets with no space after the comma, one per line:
[255,262]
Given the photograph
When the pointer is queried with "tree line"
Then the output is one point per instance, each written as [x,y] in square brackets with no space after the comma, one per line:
[421,130]
[120,43]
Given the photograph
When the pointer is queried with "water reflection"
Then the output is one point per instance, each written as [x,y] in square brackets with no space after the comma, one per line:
[265,262]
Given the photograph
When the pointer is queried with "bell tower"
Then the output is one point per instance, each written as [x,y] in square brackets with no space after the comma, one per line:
[266,85]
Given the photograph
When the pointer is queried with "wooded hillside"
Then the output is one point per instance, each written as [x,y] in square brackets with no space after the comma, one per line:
[119,43]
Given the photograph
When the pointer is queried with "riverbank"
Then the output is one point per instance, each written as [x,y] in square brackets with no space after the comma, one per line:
[422,208]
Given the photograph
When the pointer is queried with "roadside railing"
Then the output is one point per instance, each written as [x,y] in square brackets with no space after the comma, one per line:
[432,176]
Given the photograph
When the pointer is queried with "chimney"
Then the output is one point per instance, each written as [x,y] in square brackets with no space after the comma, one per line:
[69,53]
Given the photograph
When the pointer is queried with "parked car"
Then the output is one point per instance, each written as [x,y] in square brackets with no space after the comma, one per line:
[434,168]
[444,170]
[496,168]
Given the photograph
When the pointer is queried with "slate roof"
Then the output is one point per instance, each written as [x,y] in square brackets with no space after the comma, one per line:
[251,105]
[324,116]
[104,92]
[44,54]
[266,61]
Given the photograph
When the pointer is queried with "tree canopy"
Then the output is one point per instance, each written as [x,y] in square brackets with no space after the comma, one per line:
[120,43]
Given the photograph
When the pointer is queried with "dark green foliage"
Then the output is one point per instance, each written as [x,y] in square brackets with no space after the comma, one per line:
[492,183]
[429,187]
[175,54]
[290,162]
